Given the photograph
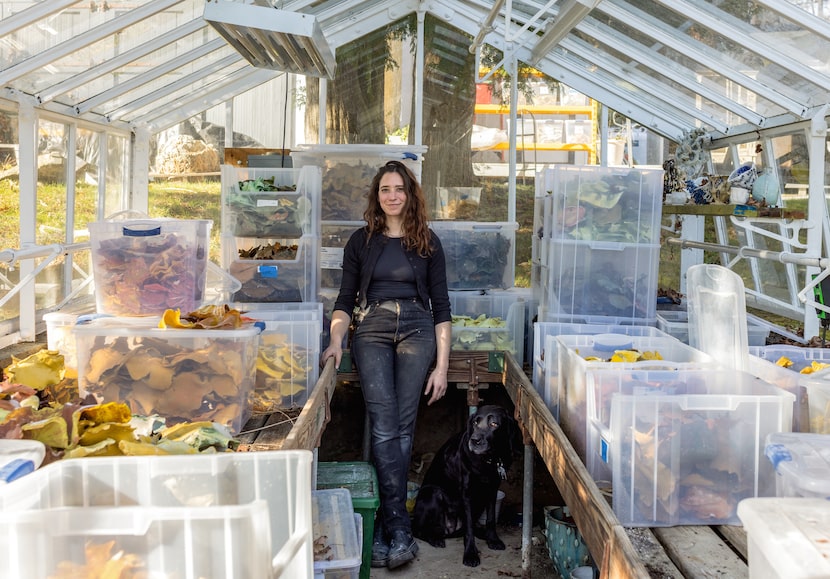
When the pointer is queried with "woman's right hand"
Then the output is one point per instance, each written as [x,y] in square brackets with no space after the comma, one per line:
[333,351]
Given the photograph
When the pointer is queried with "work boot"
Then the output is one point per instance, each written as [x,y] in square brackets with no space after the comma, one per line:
[380,550]
[402,549]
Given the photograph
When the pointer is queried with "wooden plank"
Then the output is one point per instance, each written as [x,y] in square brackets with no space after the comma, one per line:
[720,209]
[652,554]
[700,553]
[468,367]
[316,413]
[605,538]
[250,431]
[736,537]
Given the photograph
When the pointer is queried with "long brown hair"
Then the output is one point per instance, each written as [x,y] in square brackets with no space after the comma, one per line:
[415,227]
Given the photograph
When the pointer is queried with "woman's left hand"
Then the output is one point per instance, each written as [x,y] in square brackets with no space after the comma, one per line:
[436,386]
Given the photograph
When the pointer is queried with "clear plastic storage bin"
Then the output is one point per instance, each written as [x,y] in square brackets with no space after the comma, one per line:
[480,256]
[574,355]
[802,463]
[686,446]
[288,359]
[492,321]
[787,537]
[181,494]
[61,338]
[347,172]
[337,552]
[601,282]
[289,276]
[145,266]
[615,204]
[179,374]
[545,377]
[266,202]
[816,389]
[801,360]
[333,240]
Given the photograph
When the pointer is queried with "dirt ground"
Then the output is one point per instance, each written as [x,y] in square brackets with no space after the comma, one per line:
[343,441]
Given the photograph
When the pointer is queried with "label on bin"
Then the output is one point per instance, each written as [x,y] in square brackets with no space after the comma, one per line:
[269,271]
[603,450]
[267,202]
[331,257]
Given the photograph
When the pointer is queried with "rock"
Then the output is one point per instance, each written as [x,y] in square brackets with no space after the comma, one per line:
[184,154]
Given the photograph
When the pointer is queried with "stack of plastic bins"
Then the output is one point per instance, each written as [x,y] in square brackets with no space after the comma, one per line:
[577,355]
[288,358]
[600,253]
[179,374]
[802,463]
[337,553]
[480,256]
[545,375]
[270,232]
[145,266]
[494,321]
[687,445]
[787,537]
[223,515]
[361,480]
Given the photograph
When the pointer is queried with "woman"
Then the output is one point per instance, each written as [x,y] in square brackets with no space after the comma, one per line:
[395,283]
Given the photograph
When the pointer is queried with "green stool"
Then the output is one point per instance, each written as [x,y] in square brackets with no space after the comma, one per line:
[361,480]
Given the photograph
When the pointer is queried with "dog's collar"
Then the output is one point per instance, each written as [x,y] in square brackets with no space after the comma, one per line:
[499,468]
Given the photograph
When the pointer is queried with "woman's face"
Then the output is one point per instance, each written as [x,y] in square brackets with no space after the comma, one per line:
[392,195]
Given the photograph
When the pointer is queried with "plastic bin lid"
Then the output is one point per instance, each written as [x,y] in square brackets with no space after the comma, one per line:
[359,478]
[803,456]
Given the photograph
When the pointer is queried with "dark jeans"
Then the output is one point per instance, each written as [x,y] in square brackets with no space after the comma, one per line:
[393,348]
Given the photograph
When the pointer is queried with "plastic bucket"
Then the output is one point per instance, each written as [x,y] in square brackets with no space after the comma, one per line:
[566,546]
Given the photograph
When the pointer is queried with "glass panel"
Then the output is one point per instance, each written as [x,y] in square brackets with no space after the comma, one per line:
[51,182]
[116,184]
[9,196]
[73,22]
[793,160]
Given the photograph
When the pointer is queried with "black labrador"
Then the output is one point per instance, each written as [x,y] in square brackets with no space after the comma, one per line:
[462,483]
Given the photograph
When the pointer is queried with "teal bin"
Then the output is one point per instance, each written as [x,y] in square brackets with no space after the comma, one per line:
[566,546]
[361,480]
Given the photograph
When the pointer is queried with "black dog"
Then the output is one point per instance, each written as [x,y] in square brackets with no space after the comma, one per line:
[462,482]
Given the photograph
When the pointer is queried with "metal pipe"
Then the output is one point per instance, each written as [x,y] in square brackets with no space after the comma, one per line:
[419,81]
[780,256]
[486,26]
[527,508]
[12,256]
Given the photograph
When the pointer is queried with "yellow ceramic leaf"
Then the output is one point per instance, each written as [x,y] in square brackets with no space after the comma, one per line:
[651,355]
[50,431]
[289,388]
[784,362]
[625,356]
[108,431]
[173,319]
[593,359]
[105,447]
[41,369]
[135,448]
[107,412]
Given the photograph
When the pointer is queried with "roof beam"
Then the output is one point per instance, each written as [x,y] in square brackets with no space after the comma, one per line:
[31,15]
[80,41]
[214,94]
[699,53]
[667,68]
[568,16]
[116,62]
[155,97]
[150,75]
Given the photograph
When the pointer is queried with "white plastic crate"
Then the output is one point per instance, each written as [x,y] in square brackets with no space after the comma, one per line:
[270,202]
[347,172]
[292,279]
[491,321]
[179,487]
[288,358]
[480,256]
[545,376]
[686,446]
[572,370]
[600,282]
[787,537]
[337,549]
[179,374]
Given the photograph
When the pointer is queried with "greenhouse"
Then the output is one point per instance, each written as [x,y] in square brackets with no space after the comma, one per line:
[650,170]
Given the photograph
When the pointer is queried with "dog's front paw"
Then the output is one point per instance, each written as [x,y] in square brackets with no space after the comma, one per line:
[439,543]
[496,544]
[471,558]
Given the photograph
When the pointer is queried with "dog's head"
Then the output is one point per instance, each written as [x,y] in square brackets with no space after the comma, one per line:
[492,431]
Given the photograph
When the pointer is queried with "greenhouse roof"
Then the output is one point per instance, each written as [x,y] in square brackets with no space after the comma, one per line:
[729,66]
